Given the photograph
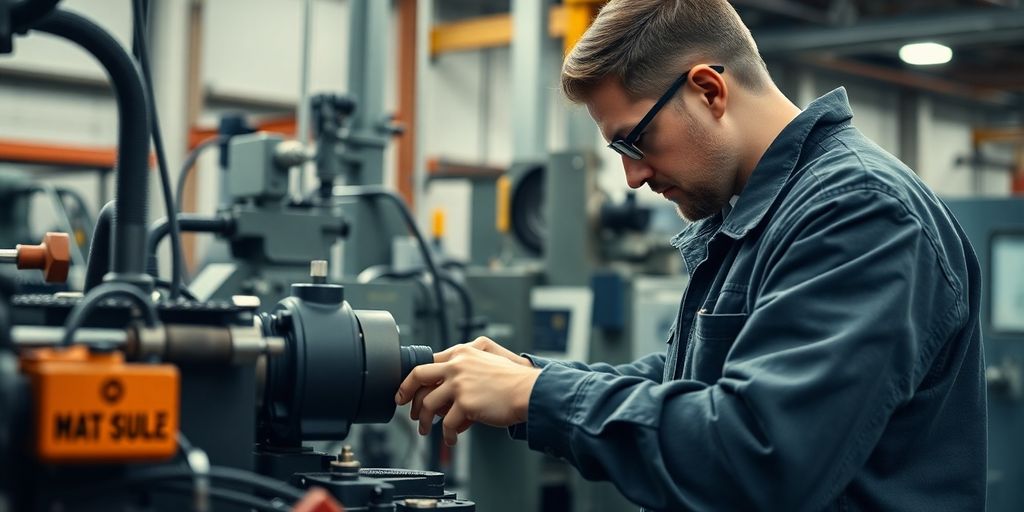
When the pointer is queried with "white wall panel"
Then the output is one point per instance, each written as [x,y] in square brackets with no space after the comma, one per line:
[254,47]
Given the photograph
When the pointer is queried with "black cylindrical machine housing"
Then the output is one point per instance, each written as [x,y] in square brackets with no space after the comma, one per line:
[340,367]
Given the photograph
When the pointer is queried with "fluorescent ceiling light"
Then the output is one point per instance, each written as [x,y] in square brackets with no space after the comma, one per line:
[926,54]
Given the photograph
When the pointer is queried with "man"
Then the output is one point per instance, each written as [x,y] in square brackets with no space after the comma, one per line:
[827,351]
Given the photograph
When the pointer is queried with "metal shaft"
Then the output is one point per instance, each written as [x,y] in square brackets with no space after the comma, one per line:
[9,256]
[318,271]
[41,336]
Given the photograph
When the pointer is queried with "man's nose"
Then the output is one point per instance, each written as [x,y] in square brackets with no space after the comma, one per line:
[637,172]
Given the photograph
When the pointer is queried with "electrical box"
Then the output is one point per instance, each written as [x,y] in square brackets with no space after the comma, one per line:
[252,169]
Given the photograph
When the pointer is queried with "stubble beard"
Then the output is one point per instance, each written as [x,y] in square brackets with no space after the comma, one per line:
[711,191]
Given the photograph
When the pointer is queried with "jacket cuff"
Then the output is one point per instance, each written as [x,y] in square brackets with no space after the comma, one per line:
[537,361]
[521,431]
[554,405]
[518,431]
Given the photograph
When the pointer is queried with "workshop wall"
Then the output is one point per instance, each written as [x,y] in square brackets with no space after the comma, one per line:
[258,55]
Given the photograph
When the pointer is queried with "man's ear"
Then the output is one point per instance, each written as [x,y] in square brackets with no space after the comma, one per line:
[711,87]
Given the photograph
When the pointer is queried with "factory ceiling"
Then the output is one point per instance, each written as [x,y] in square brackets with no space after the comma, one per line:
[864,37]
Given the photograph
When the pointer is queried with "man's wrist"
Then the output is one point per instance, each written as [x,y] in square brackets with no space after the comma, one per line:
[521,406]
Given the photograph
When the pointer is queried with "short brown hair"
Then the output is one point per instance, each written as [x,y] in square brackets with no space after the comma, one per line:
[643,42]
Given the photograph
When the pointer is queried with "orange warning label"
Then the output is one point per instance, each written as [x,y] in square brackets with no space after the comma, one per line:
[96,408]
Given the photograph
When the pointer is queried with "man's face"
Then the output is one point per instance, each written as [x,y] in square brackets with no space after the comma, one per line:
[688,158]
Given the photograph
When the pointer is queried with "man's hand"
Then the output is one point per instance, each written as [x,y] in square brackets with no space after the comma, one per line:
[487,345]
[474,382]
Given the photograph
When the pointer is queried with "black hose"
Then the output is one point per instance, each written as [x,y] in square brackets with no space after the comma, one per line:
[129,246]
[187,222]
[190,162]
[98,263]
[167,474]
[92,300]
[27,12]
[140,15]
[469,317]
[166,285]
[428,259]
[226,495]
[242,477]
[143,476]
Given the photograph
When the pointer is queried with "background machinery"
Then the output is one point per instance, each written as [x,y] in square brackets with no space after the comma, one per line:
[124,398]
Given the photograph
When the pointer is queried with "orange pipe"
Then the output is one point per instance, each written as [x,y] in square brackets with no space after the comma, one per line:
[53,154]
[63,155]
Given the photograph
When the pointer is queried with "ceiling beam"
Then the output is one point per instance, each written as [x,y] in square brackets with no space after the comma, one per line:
[964,27]
[489,31]
[991,98]
[788,8]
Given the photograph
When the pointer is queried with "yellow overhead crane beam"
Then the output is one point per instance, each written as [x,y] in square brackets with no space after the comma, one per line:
[568,21]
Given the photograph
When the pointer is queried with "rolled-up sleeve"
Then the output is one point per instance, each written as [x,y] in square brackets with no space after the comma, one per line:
[853,302]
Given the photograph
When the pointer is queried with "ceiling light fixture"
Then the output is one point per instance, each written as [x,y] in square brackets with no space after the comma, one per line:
[926,54]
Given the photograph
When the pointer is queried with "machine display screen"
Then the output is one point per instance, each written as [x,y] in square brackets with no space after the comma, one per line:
[1006,297]
[551,330]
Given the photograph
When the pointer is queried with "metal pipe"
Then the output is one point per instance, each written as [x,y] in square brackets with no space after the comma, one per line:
[9,256]
[42,336]
[424,22]
[302,130]
[188,222]
[529,93]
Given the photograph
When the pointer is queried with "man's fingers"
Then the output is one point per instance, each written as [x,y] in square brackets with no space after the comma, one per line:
[446,355]
[424,375]
[455,423]
[417,401]
[433,402]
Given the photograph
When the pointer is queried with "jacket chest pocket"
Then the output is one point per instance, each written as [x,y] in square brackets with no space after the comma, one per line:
[713,337]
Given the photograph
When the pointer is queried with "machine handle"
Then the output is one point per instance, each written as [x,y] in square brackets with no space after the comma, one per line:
[52,256]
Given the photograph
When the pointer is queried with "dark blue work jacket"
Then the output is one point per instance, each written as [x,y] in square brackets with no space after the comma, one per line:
[827,353]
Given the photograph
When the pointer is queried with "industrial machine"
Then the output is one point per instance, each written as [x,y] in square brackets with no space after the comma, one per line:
[122,398]
[270,229]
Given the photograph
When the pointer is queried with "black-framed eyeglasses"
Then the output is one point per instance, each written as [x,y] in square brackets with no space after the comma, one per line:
[627,146]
